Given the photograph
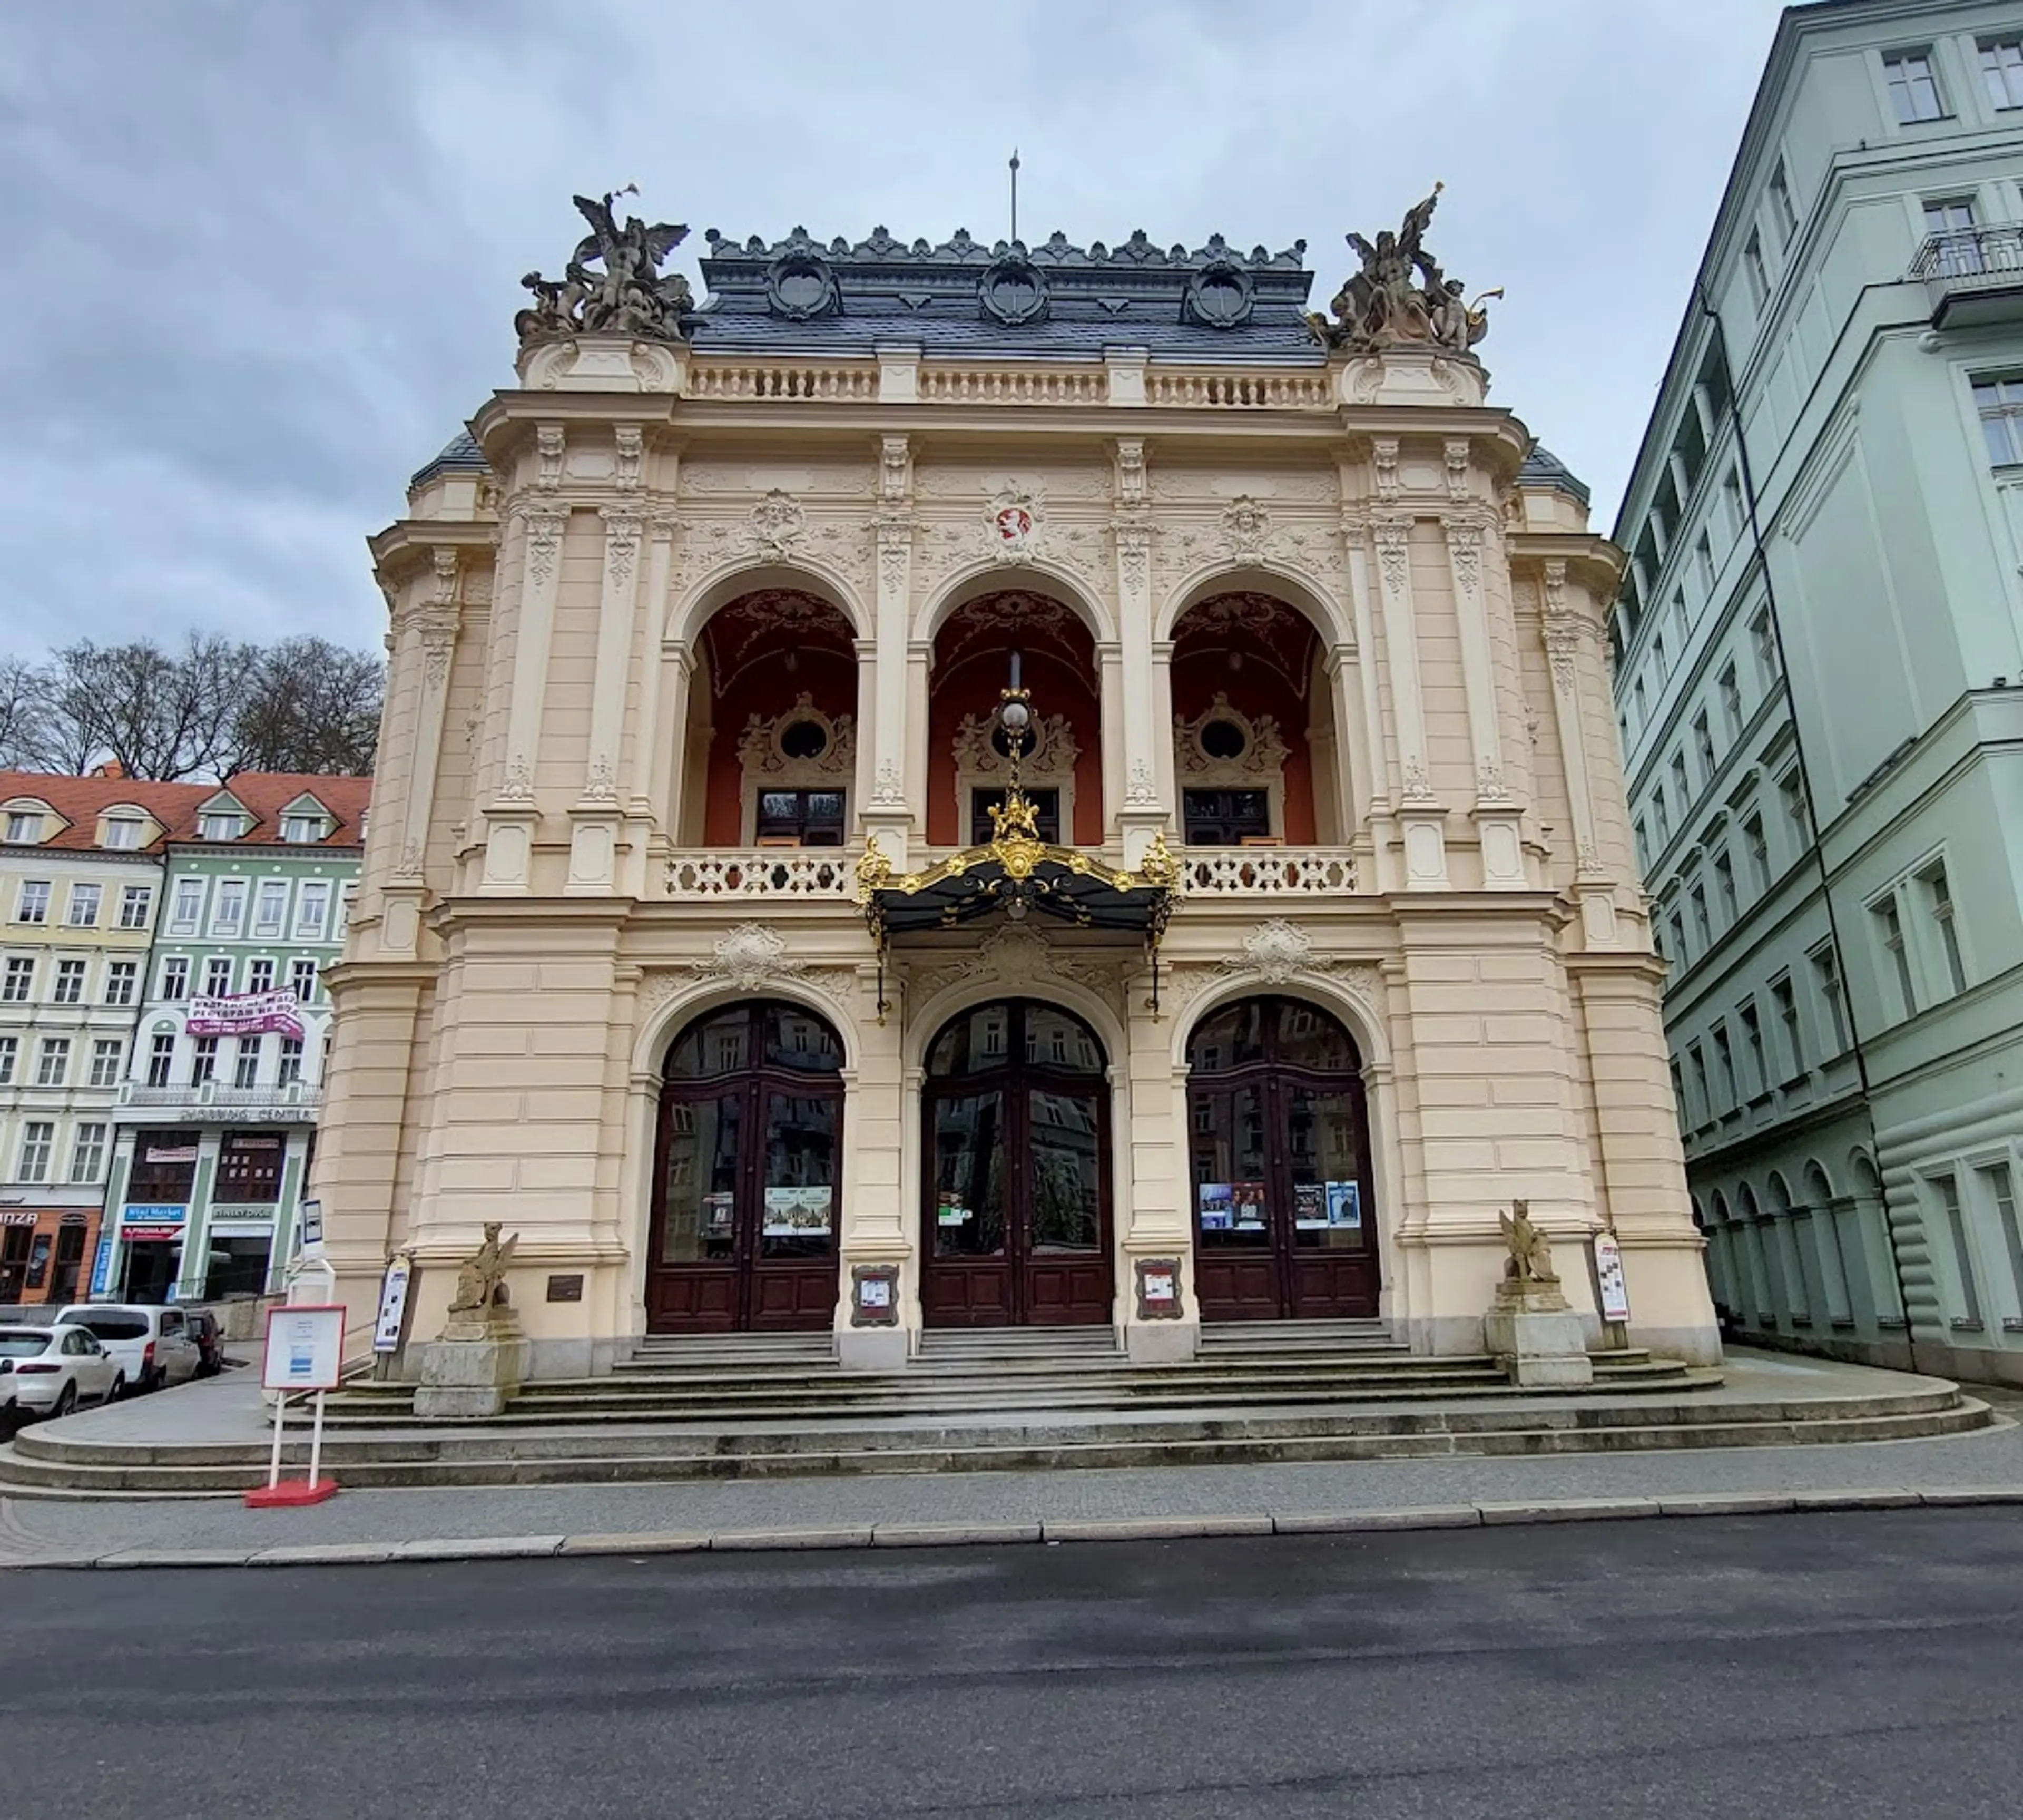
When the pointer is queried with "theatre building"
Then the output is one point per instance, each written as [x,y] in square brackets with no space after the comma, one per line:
[966,785]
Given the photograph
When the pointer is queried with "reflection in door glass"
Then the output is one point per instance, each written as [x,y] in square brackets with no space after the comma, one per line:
[798,1218]
[1230,1170]
[969,1176]
[1323,1155]
[699,1226]
[1066,1172]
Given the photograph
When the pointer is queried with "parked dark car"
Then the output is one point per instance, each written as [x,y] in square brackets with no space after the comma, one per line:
[204,1328]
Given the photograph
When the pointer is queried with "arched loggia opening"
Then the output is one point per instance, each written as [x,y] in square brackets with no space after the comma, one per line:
[1285,1205]
[747,1173]
[1254,734]
[968,765]
[772,735]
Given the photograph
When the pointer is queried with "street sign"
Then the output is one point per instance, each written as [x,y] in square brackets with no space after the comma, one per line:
[309,1229]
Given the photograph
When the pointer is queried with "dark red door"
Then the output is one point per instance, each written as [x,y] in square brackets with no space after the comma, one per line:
[1284,1220]
[746,1202]
[1017,1194]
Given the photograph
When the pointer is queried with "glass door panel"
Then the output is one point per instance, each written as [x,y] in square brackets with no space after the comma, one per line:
[1066,1166]
[968,1210]
[1231,1170]
[699,1226]
[1323,1158]
[797,1212]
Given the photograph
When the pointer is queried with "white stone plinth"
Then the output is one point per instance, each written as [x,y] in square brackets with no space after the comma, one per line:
[469,1378]
[604,363]
[1540,1348]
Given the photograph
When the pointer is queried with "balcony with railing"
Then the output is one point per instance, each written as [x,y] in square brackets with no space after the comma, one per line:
[200,1102]
[1971,276]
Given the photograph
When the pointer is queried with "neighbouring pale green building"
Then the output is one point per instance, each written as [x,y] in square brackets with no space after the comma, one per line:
[215,1125]
[1819,679]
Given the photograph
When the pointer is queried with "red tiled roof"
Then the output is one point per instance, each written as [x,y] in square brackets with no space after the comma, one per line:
[80,801]
[266,795]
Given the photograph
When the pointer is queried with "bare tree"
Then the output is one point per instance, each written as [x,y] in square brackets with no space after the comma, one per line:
[24,721]
[213,708]
[307,705]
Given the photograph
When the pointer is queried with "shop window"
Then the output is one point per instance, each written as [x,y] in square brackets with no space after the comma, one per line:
[249,1167]
[164,1168]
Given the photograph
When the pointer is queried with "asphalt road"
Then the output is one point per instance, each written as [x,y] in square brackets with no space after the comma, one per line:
[1866,1663]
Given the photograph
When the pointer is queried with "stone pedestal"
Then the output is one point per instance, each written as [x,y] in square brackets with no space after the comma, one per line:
[1537,1338]
[472,1371]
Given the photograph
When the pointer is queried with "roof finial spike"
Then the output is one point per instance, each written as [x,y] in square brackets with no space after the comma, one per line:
[1014,196]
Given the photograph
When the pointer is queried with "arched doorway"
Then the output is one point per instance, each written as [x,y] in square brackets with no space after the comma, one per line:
[1285,1211]
[1016,1205]
[747,1174]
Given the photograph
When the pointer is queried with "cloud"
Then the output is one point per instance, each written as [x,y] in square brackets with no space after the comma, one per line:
[270,254]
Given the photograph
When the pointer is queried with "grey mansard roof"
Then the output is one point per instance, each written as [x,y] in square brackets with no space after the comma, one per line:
[462,455]
[964,297]
[1543,468]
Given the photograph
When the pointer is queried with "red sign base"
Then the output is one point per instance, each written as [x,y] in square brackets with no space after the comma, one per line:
[290,1493]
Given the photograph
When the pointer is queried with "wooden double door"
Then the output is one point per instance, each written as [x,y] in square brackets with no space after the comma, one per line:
[746,1202]
[1278,1152]
[1016,1198]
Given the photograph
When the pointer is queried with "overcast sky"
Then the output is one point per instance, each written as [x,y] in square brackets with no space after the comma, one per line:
[265,254]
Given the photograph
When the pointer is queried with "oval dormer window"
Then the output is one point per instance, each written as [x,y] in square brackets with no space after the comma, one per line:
[1219,295]
[800,285]
[1014,291]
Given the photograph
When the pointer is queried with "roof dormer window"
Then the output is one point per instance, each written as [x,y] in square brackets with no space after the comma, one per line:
[123,831]
[24,826]
[221,825]
[303,830]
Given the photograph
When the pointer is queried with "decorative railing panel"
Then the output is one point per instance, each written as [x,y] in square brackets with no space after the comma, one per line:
[772,379]
[1967,261]
[822,871]
[1266,871]
[1239,390]
[1013,385]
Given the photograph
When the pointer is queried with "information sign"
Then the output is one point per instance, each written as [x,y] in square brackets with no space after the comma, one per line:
[304,1347]
[1608,1275]
[392,1305]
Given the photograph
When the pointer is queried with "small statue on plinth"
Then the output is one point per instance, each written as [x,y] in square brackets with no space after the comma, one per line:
[480,1294]
[1530,1265]
[1531,1328]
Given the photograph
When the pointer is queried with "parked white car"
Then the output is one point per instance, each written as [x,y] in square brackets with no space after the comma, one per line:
[152,1345]
[50,1371]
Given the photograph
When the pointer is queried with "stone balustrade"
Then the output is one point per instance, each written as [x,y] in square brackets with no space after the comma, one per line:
[1266,871]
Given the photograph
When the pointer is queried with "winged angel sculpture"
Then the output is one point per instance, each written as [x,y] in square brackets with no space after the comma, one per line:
[628,295]
[1401,297]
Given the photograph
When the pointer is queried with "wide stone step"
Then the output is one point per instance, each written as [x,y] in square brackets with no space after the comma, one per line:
[57,1468]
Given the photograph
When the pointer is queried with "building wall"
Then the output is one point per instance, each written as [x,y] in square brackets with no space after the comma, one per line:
[1875,650]
[56,1133]
[258,1090]
[531,931]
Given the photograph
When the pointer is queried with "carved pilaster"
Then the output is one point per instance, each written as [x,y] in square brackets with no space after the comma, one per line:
[1566,631]
[509,841]
[594,820]
[1143,813]
[1423,819]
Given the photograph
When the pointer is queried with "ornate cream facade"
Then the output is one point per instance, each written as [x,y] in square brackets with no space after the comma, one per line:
[663,548]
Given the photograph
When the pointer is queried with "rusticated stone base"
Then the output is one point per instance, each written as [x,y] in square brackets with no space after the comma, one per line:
[470,1378]
[1540,1346]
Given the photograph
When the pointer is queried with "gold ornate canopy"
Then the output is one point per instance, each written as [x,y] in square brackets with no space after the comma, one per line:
[1016,872]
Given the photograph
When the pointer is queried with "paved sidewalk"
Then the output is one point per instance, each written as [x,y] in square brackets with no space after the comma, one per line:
[1984,1466]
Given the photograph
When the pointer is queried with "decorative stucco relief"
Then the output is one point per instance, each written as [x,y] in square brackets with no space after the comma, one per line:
[1276,953]
[1016,956]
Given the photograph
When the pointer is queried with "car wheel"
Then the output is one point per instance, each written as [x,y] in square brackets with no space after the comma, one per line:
[118,1387]
[66,1402]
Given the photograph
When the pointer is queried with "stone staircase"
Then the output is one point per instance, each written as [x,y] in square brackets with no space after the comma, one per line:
[755,1406]
[998,1370]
